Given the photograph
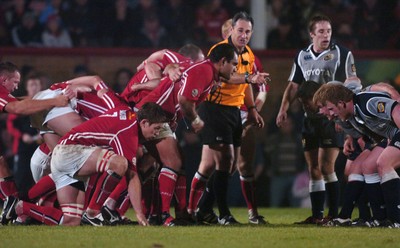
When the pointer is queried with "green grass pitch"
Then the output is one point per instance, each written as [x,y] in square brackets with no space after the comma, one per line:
[280,233]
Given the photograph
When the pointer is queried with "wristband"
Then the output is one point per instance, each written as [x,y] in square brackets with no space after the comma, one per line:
[252,107]
[246,78]
[196,121]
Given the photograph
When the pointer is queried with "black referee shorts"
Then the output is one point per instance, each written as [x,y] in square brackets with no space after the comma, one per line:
[222,124]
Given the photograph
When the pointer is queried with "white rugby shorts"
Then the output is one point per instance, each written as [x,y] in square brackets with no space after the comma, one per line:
[56,111]
[66,161]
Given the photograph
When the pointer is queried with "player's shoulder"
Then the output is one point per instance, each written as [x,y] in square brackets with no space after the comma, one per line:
[365,100]
[305,52]
[339,48]
[173,57]
[203,68]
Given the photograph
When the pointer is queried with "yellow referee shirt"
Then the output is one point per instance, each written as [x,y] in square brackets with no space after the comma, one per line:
[233,94]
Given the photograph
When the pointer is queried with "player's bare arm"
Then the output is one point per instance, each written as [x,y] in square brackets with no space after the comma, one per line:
[135,195]
[150,85]
[288,97]
[188,109]
[173,71]
[256,78]
[153,57]
[30,106]
[253,116]
[153,70]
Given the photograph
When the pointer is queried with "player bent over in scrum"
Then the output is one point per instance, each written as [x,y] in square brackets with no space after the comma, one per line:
[115,135]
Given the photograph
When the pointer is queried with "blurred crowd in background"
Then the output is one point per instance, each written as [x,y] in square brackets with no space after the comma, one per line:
[357,24]
[158,24]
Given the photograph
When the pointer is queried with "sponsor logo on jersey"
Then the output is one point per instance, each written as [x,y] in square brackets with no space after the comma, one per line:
[219,138]
[122,114]
[195,92]
[381,107]
[314,72]
[329,57]
[307,57]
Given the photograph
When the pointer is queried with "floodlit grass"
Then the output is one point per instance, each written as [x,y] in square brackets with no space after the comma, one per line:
[280,233]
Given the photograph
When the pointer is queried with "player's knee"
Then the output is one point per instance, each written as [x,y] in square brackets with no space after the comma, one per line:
[381,166]
[172,161]
[118,164]
[315,173]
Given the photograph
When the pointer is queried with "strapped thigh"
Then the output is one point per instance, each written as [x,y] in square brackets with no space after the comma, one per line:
[104,159]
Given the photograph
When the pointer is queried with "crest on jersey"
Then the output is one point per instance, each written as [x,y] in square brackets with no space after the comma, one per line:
[329,57]
[195,92]
[131,115]
[353,67]
[381,107]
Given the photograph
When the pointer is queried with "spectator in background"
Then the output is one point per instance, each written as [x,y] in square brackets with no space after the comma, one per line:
[153,34]
[53,7]
[274,10]
[14,13]
[345,36]
[342,16]
[284,36]
[55,35]
[37,7]
[338,11]
[236,6]
[303,11]
[119,23]
[394,27]
[178,17]
[368,24]
[284,161]
[210,17]
[4,34]
[122,77]
[28,33]
[28,139]
[143,8]
[80,20]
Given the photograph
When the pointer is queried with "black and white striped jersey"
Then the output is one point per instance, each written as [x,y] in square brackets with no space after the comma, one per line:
[336,63]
